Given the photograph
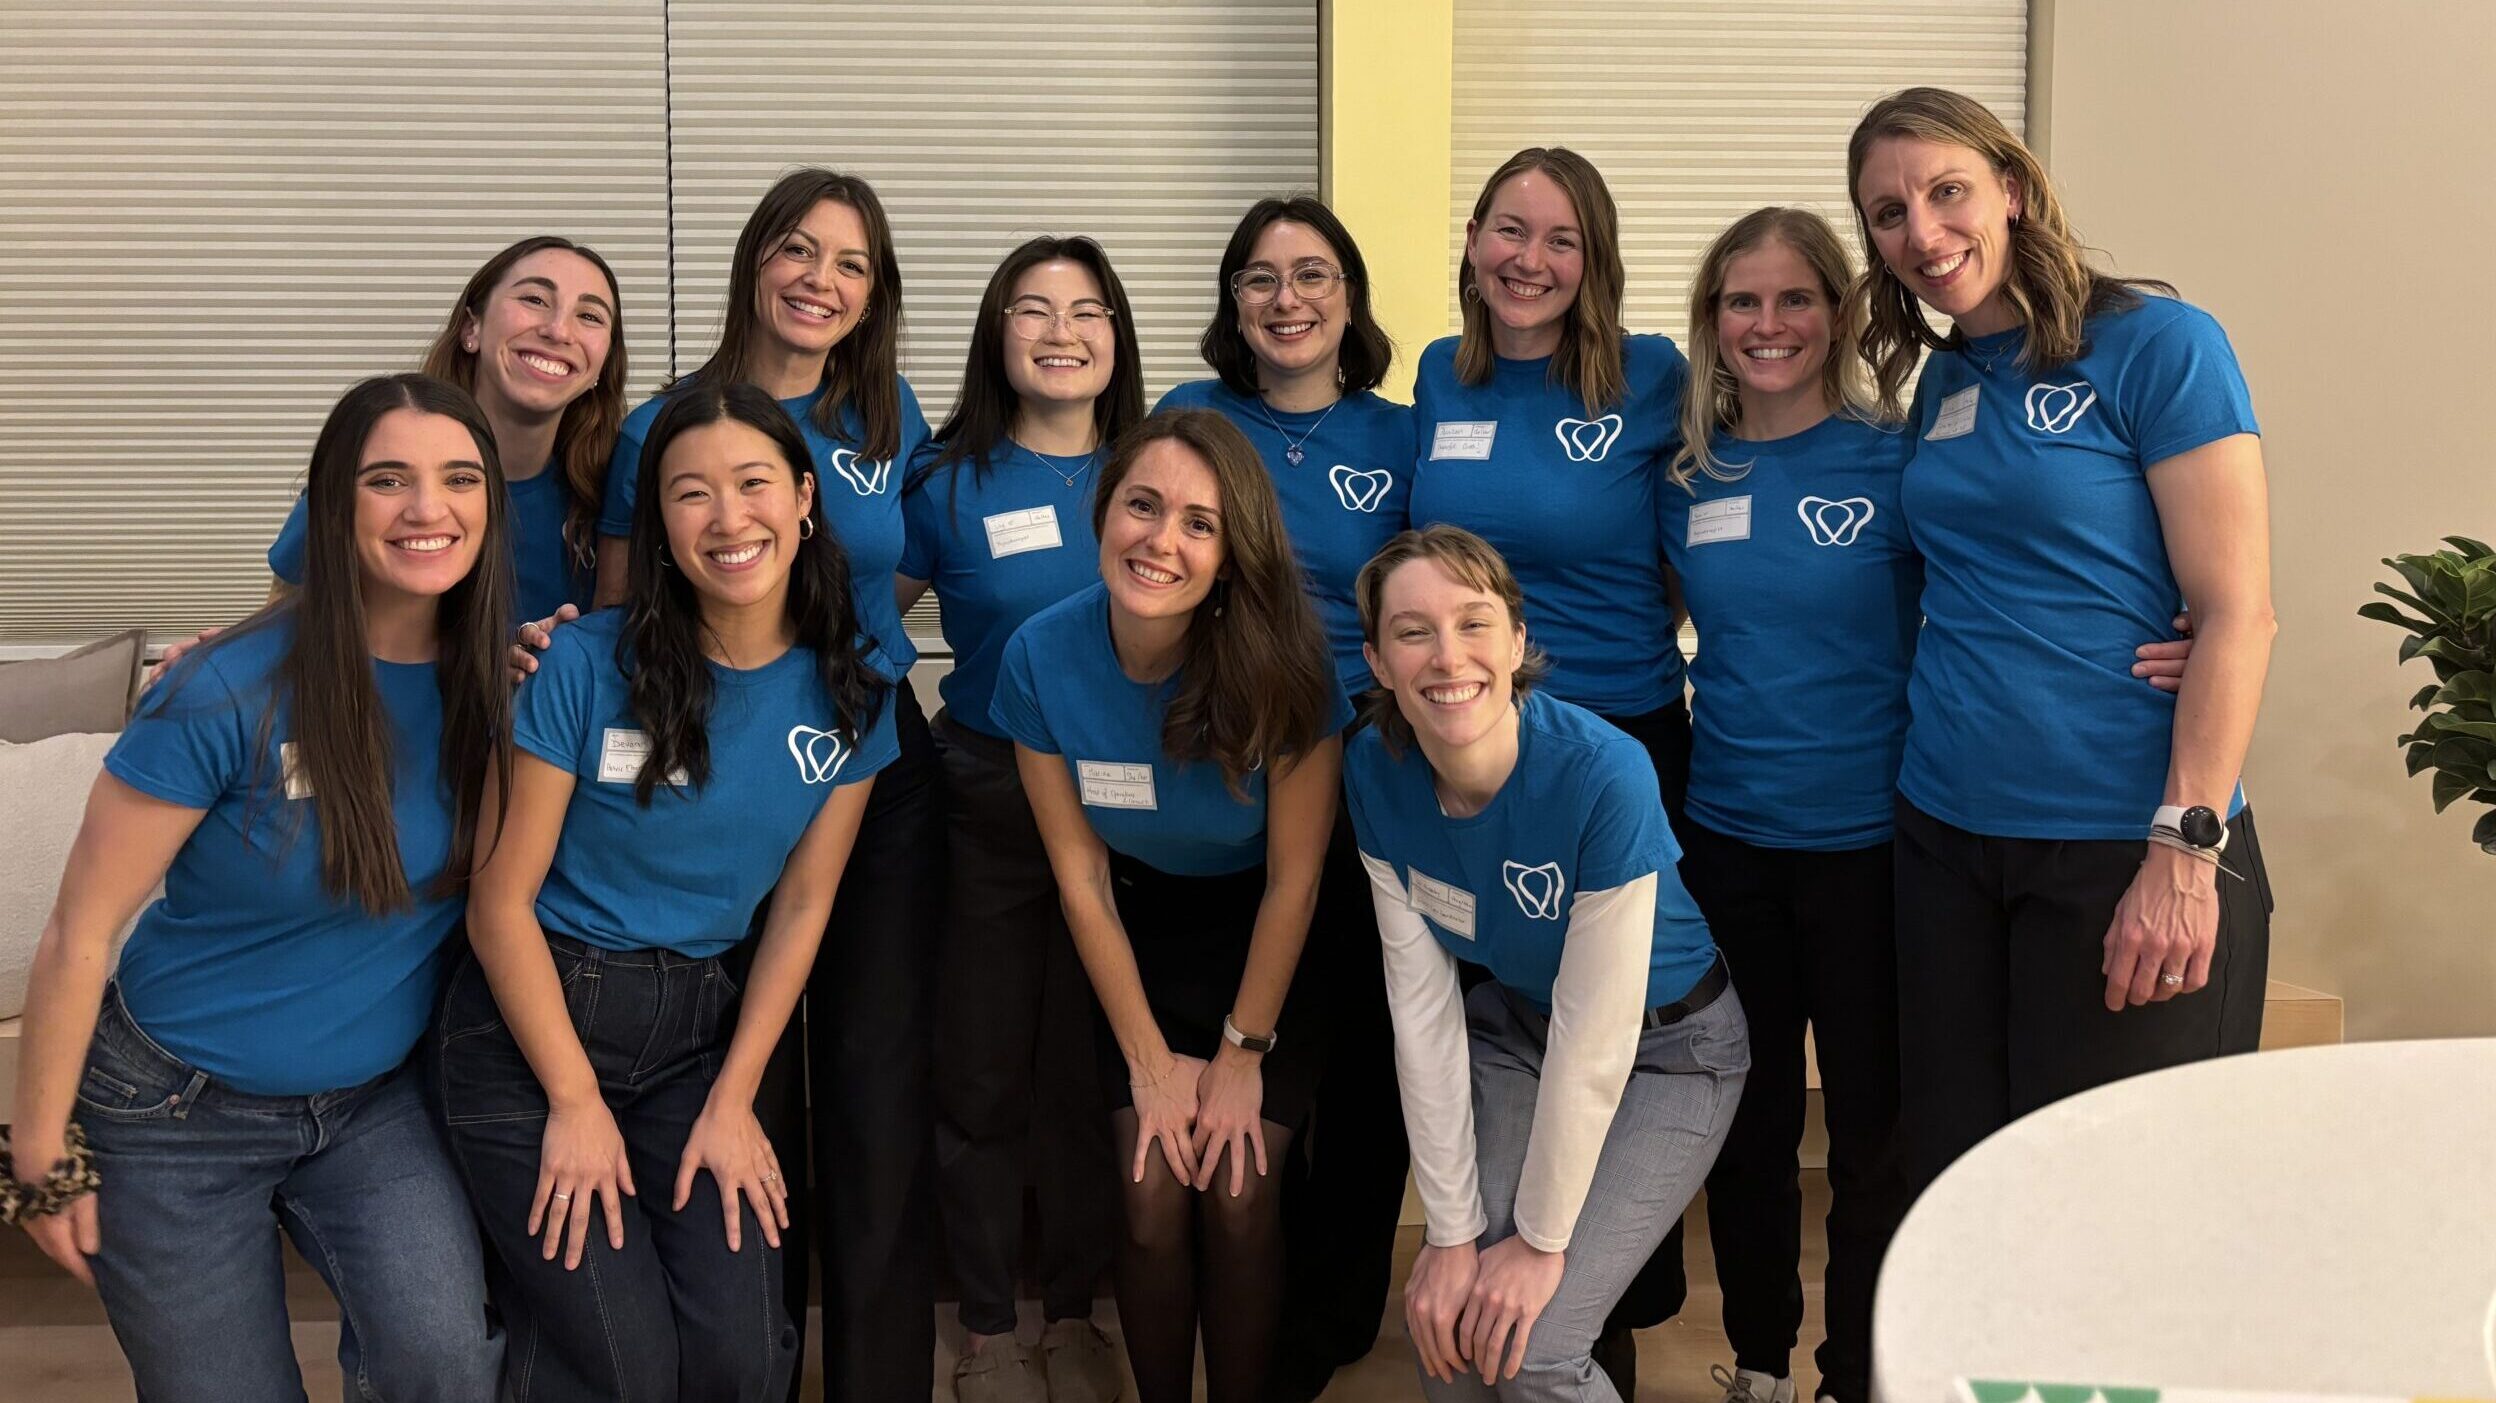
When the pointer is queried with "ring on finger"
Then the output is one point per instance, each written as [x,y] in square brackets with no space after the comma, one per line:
[561,1197]
[2171,980]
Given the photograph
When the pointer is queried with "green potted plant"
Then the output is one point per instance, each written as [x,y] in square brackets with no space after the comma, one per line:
[2455,592]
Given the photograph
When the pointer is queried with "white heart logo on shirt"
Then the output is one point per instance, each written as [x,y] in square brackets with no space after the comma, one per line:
[2053,409]
[1834,523]
[1537,889]
[1587,440]
[820,754]
[1360,491]
[866,476]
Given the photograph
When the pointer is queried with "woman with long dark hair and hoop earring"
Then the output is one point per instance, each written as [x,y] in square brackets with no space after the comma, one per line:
[813,318]
[1297,357]
[1176,729]
[307,786]
[2081,894]
[999,511]
[1544,429]
[700,756]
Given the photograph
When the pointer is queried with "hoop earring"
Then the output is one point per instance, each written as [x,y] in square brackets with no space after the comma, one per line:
[806,528]
[1471,293]
[666,561]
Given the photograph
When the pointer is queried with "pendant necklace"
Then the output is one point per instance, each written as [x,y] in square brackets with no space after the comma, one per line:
[1291,449]
[1068,478]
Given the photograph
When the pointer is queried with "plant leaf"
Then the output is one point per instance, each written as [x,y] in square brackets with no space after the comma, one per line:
[2411,600]
[2411,645]
[2467,688]
[2420,757]
[2413,568]
[2484,730]
[2483,832]
[2426,697]
[2463,753]
[2448,787]
[2385,613]
[2466,546]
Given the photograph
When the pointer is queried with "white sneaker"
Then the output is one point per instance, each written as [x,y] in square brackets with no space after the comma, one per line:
[1751,1386]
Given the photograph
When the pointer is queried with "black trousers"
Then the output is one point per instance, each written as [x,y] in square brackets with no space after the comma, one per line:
[1655,1294]
[864,1069]
[1343,1185]
[1016,1078]
[1810,939]
[2001,1004]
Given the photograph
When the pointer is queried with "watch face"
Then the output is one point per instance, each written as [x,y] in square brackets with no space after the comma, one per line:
[2201,827]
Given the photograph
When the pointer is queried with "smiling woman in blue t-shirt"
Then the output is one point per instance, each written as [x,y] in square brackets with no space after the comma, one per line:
[307,787]
[2085,459]
[1176,728]
[686,762]
[1563,1112]
[999,507]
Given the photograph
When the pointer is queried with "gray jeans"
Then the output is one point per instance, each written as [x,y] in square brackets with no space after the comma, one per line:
[1672,1119]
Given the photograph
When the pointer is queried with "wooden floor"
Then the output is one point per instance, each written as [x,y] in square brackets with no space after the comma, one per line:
[56,1348]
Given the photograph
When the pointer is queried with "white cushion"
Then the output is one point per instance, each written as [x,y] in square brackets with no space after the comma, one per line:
[43,797]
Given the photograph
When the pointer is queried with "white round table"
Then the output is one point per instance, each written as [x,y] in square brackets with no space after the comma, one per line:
[2314,1220]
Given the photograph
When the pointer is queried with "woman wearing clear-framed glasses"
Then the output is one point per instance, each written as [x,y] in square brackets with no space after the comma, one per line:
[998,509]
[1297,357]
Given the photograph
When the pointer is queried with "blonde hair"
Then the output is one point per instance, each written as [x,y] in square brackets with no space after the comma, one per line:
[1473,562]
[1714,402]
[2048,284]
[1589,359]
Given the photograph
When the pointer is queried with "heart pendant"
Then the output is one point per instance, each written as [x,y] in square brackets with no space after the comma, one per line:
[1293,456]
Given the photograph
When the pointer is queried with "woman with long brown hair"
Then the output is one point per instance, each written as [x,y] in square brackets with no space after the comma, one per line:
[2081,894]
[813,318]
[307,787]
[1176,729]
[1545,429]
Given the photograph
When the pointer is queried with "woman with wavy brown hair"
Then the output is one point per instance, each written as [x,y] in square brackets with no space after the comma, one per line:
[1176,729]
[2081,893]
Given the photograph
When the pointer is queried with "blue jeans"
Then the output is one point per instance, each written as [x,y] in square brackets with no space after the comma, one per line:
[1672,1119]
[199,1178]
[674,1315]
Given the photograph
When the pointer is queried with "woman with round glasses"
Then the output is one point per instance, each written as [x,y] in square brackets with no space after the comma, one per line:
[1297,357]
[813,317]
[998,507]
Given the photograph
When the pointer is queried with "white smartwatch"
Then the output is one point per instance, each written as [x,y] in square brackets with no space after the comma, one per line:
[1240,1040]
[2198,826]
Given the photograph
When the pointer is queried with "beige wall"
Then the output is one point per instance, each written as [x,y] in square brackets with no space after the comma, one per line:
[2322,177]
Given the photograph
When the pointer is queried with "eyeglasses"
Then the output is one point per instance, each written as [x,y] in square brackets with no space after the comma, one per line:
[1310,282]
[1032,323]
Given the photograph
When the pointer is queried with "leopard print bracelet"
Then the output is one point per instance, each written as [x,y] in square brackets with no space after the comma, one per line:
[72,1176]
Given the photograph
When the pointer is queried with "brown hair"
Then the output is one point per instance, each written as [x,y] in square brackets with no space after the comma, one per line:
[1367,352]
[2049,284]
[865,368]
[1714,401]
[1254,677]
[1589,360]
[585,437]
[1472,561]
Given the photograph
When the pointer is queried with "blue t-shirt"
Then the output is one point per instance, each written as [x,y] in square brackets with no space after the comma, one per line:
[2045,567]
[688,872]
[996,551]
[1804,587]
[1569,498]
[550,575]
[859,498]
[246,968]
[1581,812]
[1347,496]
[1061,692]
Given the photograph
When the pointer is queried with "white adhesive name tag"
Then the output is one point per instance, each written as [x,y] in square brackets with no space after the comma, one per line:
[1451,907]
[1012,533]
[1109,785]
[1957,417]
[623,752]
[1726,520]
[290,766]
[1456,439]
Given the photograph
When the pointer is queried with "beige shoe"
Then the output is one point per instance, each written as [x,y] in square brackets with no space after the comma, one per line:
[1082,1364]
[1005,1371]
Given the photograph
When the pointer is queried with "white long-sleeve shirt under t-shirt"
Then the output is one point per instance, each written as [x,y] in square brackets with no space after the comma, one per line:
[1563,886]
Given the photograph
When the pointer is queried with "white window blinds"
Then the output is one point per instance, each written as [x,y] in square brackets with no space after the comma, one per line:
[220,214]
